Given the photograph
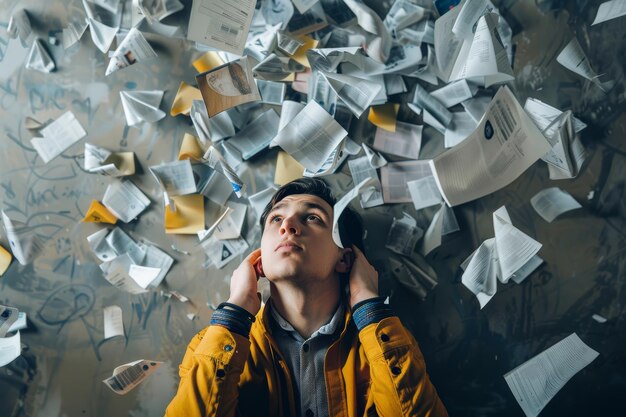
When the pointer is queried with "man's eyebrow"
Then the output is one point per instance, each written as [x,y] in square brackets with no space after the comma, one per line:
[308,205]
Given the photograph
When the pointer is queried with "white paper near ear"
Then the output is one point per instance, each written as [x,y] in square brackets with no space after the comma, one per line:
[341,205]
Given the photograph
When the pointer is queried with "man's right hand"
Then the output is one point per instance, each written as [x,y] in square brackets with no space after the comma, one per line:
[243,284]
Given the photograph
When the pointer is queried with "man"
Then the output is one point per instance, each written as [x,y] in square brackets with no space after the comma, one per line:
[313,350]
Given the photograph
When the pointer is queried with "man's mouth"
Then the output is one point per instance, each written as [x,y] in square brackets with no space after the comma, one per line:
[287,246]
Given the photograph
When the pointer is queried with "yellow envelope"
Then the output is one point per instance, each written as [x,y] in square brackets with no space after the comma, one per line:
[287,169]
[188,218]
[384,116]
[300,54]
[98,213]
[190,148]
[207,61]
[5,260]
[184,99]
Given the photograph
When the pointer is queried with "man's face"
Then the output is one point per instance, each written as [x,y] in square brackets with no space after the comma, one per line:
[297,243]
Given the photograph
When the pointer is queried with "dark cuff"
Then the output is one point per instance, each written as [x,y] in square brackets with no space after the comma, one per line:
[233,320]
[370,311]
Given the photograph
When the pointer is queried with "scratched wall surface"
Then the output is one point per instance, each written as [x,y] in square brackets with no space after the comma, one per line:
[467,350]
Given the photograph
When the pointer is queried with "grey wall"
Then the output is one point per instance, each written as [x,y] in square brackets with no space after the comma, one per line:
[467,350]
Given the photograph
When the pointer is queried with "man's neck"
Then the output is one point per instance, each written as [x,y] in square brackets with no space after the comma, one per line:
[306,308]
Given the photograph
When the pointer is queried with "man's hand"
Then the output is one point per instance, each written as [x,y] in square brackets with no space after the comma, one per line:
[243,284]
[363,280]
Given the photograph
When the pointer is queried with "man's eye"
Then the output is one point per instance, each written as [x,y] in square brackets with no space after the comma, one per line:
[313,217]
[274,219]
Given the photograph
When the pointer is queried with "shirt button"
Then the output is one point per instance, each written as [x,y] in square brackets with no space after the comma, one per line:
[308,413]
[305,347]
[384,337]
[220,373]
[396,370]
[228,348]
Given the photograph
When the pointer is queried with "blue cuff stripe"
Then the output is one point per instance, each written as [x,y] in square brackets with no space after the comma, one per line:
[371,311]
[233,320]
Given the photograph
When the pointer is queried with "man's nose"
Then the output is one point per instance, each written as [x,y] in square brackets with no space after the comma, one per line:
[290,226]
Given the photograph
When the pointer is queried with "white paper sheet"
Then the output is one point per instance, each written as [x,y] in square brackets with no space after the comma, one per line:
[221,24]
[256,136]
[142,106]
[574,59]
[395,176]
[132,49]
[514,247]
[311,136]
[221,252]
[19,25]
[175,177]
[58,136]
[424,192]
[432,237]
[113,323]
[610,10]
[484,60]
[535,382]
[454,93]
[360,170]
[503,146]
[552,202]
[103,161]
[259,200]
[125,200]
[406,141]
[24,242]
[10,349]
[460,129]
[357,93]
[341,205]
[230,227]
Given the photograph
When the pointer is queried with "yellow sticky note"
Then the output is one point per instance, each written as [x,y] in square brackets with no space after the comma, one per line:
[287,169]
[384,116]
[184,99]
[188,218]
[300,54]
[5,260]
[207,61]
[97,213]
[190,148]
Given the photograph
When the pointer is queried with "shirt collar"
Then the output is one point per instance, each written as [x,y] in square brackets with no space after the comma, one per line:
[326,329]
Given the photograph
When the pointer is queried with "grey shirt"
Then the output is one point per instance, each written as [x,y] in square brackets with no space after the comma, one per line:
[305,358]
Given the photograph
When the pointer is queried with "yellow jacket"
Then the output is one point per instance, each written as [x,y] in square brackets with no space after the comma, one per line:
[378,371]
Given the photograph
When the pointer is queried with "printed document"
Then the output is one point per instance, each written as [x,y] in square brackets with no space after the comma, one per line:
[125,200]
[535,382]
[58,136]
[552,202]
[311,136]
[503,146]
[221,24]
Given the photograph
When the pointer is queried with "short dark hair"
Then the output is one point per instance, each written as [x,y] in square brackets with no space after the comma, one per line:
[350,224]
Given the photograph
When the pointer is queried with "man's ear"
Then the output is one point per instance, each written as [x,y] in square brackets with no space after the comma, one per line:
[345,262]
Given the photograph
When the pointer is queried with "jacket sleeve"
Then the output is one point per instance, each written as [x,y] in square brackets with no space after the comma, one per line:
[209,375]
[400,385]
